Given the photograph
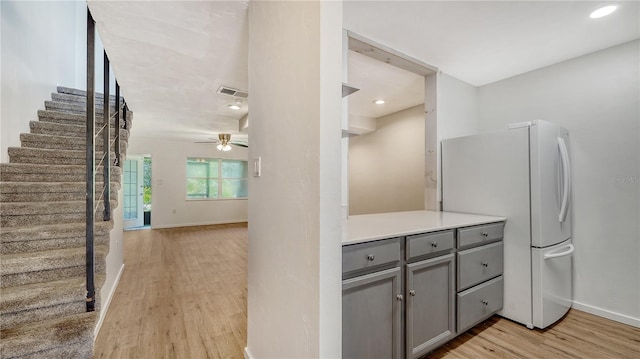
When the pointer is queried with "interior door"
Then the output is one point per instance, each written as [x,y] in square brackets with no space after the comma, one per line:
[132,192]
[550,184]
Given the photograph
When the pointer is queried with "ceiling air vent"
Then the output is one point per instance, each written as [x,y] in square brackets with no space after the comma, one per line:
[224,90]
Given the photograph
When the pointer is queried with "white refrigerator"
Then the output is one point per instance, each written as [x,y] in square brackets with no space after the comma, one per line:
[524,174]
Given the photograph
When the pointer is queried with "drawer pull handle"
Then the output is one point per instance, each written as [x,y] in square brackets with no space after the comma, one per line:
[371,257]
[399,297]
[485,302]
[434,244]
[485,234]
[485,264]
[412,292]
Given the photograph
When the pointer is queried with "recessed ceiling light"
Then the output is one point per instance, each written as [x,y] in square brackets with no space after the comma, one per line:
[379,102]
[603,11]
[236,105]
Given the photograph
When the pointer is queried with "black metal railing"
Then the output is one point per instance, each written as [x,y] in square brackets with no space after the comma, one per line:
[105,161]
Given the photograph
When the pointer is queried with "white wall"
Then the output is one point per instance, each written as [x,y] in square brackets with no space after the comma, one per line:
[42,45]
[294,290]
[596,97]
[115,262]
[457,113]
[37,50]
[168,188]
[386,167]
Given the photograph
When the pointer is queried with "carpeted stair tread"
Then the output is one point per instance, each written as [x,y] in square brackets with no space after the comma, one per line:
[15,214]
[44,260]
[83,93]
[50,244]
[51,191]
[34,140]
[65,97]
[32,208]
[51,231]
[76,118]
[28,172]
[59,129]
[52,156]
[73,335]
[49,237]
[77,108]
[34,213]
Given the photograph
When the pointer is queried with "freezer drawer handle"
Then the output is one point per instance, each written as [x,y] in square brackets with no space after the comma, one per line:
[570,249]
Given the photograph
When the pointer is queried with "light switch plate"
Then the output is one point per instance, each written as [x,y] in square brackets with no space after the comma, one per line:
[257,167]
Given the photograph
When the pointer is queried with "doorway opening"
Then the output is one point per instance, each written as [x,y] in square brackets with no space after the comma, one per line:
[391,130]
[136,185]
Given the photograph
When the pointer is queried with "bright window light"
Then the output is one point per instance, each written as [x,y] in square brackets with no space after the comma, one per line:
[603,11]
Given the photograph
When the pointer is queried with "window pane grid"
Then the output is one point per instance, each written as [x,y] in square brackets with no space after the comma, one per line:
[215,178]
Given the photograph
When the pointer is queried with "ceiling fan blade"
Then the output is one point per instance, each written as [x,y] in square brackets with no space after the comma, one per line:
[240,144]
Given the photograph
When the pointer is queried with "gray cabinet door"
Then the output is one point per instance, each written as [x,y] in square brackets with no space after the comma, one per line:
[371,315]
[430,304]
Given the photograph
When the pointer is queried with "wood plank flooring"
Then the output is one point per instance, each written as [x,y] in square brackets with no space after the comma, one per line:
[183,295]
[577,335]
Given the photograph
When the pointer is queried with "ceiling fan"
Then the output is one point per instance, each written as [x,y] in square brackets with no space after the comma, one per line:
[224,142]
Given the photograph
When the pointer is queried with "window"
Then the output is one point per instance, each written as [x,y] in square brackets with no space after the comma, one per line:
[216,178]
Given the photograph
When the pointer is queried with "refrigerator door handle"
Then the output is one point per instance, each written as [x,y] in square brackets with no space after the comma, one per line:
[569,251]
[566,174]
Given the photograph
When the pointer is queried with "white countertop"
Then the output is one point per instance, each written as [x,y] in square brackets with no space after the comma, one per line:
[369,227]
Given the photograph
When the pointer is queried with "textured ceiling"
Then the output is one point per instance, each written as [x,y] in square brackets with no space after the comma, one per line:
[481,42]
[399,88]
[171,56]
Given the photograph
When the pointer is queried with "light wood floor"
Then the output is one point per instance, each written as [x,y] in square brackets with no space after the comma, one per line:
[183,295]
[577,335]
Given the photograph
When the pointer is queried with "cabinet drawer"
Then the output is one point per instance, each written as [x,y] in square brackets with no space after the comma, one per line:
[479,303]
[364,257]
[478,264]
[473,236]
[429,243]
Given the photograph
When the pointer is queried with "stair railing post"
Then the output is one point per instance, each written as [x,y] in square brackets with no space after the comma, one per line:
[106,146]
[90,165]
[116,127]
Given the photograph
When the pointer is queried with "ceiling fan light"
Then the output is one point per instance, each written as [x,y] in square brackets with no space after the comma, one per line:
[226,148]
[219,147]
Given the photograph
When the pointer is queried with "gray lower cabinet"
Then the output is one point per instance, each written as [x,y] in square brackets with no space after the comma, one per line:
[430,317]
[371,315]
[405,296]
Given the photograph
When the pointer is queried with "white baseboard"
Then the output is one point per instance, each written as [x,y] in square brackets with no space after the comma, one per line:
[247,355]
[104,306]
[622,318]
[178,225]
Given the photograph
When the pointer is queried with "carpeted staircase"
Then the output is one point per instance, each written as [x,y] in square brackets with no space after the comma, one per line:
[42,233]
